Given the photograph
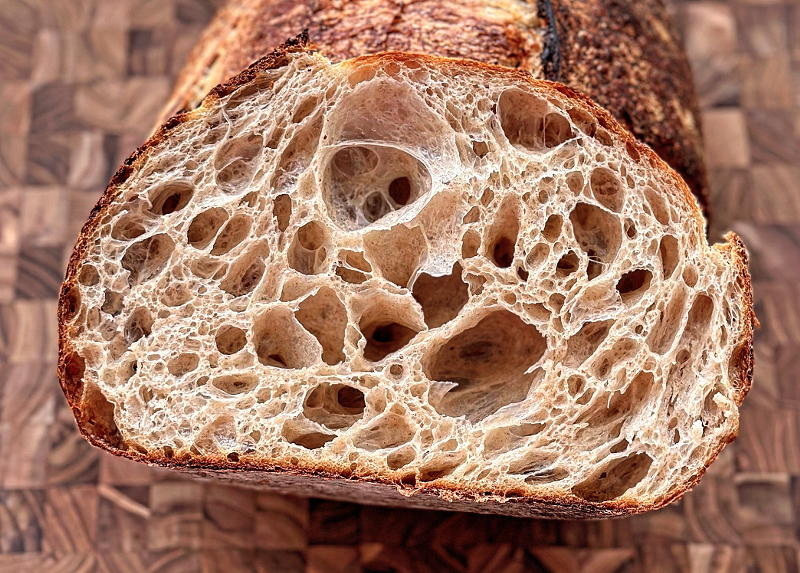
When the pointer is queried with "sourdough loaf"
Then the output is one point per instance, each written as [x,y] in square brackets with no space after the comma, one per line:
[404,278]
[625,55]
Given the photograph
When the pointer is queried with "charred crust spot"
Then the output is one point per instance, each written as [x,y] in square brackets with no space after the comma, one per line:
[551,53]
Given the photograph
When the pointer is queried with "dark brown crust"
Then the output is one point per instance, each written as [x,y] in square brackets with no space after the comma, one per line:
[329,481]
[624,54]
[632,64]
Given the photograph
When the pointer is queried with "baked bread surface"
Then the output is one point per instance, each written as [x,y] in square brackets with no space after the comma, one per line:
[625,55]
[408,279]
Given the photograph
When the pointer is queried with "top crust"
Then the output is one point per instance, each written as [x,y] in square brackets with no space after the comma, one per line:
[631,64]
[725,274]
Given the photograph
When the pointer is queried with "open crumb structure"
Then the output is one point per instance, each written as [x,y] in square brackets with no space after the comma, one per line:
[435,274]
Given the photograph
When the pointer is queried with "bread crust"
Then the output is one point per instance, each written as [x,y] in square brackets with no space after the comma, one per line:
[631,63]
[338,480]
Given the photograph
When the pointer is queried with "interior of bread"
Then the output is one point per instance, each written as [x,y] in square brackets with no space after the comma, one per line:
[414,270]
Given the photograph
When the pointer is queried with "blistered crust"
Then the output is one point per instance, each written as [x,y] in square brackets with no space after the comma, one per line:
[92,407]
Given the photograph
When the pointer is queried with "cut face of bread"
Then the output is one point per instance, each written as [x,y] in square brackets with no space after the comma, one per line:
[409,270]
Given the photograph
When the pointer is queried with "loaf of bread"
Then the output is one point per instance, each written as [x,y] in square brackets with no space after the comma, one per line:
[408,279]
[625,55]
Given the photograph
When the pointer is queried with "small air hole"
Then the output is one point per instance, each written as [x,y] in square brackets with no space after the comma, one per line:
[280,341]
[575,182]
[470,244]
[690,277]
[503,252]
[112,303]
[127,228]
[353,161]
[400,458]
[305,109]
[350,398]
[385,339]
[669,254]
[619,447]
[230,339]
[170,198]
[607,188]
[472,216]
[234,232]
[307,254]
[139,325]
[88,276]
[235,384]
[441,298]
[576,384]
[375,207]
[183,364]
[552,228]
[603,136]
[204,227]
[282,210]
[633,284]
[311,236]
[567,265]
[599,234]
[400,190]
[480,148]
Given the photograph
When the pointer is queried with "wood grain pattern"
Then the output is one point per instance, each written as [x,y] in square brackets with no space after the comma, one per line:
[80,84]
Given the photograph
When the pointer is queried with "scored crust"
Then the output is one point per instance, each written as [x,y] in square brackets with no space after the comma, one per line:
[278,224]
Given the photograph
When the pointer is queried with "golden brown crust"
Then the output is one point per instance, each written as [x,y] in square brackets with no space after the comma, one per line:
[246,30]
[631,63]
[743,359]
[328,481]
